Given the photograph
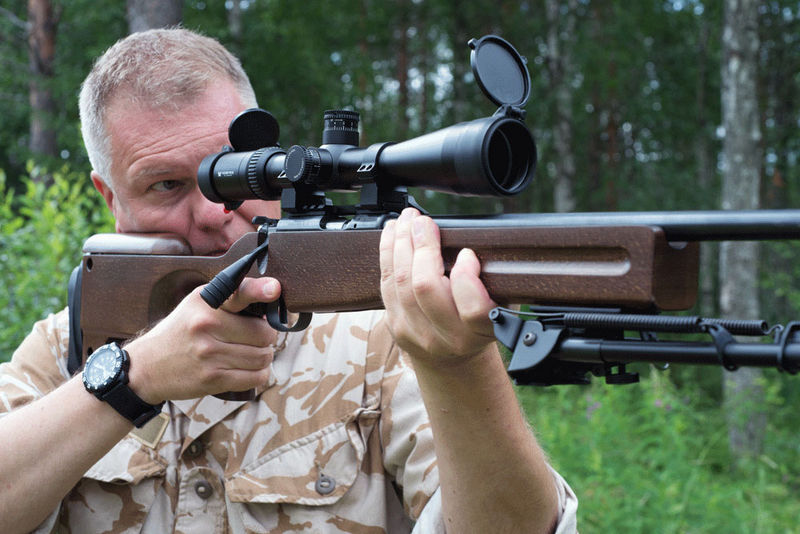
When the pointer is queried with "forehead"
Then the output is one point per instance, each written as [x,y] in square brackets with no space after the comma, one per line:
[139,131]
[219,103]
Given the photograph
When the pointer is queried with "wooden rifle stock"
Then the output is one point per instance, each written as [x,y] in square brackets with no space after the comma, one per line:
[631,267]
[129,282]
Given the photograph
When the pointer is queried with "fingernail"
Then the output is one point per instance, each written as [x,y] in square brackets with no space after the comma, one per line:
[270,288]
[465,253]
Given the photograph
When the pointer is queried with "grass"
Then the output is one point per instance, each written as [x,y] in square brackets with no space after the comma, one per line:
[653,457]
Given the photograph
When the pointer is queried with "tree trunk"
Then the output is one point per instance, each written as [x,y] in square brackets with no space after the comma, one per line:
[741,167]
[41,53]
[425,62]
[558,63]
[780,95]
[459,36]
[147,14]
[235,21]
[401,72]
[709,251]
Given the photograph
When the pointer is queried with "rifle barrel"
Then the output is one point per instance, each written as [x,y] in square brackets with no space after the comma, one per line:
[711,225]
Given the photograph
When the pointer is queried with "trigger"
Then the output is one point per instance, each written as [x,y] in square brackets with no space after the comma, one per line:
[278,317]
[256,309]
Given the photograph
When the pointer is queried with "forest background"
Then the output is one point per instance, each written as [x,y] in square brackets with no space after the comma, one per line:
[632,106]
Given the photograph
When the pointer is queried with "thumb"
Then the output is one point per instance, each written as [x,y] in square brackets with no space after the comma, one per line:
[252,290]
[469,293]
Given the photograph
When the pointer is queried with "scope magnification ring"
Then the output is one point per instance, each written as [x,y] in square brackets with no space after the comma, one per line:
[253,164]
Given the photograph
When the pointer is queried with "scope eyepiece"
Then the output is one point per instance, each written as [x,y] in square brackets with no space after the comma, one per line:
[232,176]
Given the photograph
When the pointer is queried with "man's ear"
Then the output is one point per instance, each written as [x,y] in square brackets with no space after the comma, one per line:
[108,195]
[104,190]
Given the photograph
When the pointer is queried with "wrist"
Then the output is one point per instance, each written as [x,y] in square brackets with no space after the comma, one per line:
[457,367]
[139,377]
[106,375]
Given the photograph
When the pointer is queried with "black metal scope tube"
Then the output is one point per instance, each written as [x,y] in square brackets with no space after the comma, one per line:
[489,156]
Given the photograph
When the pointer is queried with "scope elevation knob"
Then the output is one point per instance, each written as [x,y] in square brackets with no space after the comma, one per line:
[341,127]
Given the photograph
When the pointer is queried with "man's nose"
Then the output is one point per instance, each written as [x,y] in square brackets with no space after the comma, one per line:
[207,215]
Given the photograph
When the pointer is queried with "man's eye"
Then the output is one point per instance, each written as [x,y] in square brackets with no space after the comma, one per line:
[165,185]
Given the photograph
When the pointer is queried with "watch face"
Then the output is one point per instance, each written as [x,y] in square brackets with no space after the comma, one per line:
[102,367]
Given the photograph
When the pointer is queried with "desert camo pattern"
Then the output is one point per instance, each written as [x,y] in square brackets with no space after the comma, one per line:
[337,442]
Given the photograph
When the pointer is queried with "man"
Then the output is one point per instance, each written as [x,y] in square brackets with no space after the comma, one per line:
[338,439]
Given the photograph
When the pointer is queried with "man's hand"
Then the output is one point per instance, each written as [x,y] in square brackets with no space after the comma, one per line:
[433,318]
[487,457]
[197,351]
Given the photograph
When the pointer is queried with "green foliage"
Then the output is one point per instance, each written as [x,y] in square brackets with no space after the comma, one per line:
[42,229]
[651,457]
[85,28]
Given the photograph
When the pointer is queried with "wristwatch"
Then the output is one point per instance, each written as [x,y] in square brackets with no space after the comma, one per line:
[105,375]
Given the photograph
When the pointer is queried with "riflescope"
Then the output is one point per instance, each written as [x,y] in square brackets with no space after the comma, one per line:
[488,156]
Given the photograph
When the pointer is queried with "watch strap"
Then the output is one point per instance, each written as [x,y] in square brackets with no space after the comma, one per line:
[130,405]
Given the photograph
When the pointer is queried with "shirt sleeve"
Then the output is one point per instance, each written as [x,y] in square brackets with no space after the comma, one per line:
[38,366]
[567,506]
[406,437]
[409,454]
[431,520]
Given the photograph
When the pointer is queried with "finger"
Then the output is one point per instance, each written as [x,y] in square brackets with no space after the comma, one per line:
[470,295]
[231,340]
[402,261]
[241,379]
[246,330]
[244,358]
[252,290]
[432,291]
[386,249]
[221,325]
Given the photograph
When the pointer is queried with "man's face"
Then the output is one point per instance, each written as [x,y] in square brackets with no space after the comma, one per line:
[155,155]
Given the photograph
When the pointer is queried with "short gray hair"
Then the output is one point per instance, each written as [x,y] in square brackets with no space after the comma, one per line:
[161,69]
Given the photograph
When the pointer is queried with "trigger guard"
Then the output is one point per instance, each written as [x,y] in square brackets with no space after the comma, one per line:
[277,317]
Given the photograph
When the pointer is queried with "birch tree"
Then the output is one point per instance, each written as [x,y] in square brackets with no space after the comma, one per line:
[741,168]
[559,69]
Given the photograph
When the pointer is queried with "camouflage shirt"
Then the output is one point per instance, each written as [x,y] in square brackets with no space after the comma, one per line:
[337,442]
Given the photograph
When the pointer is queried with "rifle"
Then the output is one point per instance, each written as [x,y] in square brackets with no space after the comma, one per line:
[591,276]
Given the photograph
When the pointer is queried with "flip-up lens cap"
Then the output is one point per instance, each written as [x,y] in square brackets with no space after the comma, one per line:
[501,72]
